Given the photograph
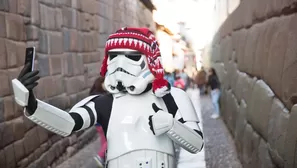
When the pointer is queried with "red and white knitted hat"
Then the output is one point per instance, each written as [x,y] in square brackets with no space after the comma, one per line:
[142,40]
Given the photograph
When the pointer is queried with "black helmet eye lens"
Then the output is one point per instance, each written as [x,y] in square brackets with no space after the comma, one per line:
[134,57]
[112,56]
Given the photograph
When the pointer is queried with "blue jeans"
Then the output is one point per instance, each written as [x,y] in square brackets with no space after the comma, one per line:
[215,95]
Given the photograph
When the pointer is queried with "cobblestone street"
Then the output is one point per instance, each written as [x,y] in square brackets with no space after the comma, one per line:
[220,150]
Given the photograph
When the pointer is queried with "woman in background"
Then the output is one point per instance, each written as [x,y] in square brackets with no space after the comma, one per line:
[98,89]
[214,84]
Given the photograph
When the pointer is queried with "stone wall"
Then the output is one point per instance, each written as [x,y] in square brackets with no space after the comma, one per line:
[255,55]
[69,36]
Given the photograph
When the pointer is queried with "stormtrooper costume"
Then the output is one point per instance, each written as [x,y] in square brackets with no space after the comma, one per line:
[142,117]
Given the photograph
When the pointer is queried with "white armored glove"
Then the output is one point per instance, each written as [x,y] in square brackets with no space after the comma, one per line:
[161,122]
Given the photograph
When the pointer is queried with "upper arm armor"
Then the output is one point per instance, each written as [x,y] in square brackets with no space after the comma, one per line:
[185,106]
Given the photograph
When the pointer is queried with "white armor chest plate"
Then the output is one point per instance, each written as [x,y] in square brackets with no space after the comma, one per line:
[128,128]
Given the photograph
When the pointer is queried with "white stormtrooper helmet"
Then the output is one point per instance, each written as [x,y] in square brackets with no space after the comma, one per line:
[132,61]
[127,71]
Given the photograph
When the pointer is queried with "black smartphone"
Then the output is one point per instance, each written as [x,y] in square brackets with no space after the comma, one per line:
[30,57]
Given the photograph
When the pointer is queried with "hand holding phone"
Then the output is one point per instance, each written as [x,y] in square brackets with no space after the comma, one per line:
[30,57]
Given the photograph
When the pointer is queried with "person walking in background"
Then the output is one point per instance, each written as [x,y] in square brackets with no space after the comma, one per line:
[97,89]
[201,81]
[179,82]
[214,84]
[185,78]
[169,77]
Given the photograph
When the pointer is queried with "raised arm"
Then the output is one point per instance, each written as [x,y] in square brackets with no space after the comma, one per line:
[180,123]
[81,116]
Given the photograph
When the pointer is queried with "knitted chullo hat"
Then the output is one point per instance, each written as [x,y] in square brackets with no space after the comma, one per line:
[142,40]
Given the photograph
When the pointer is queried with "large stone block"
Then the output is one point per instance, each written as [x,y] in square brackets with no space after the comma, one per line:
[42,134]
[92,57]
[250,49]
[67,65]
[260,107]
[2,22]
[233,109]
[13,6]
[9,156]
[277,131]
[8,108]
[239,85]
[240,51]
[264,159]
[93,69]
[75,84]
[289,76]
[4,5]
[4,83]
[15,28]
[6,136]
[251,142]
[277,51]
[2,159]
[24,7]
[71,40]
[61,101]
[43,65]
[47,17]
[12,54]
[32,32]
[70,17]
[291,140]
[18,128]
[231,68]
[64,3]
[259,54]
[3,54]
[270,27]
[31,141]
[55,64]
[55,40]
[240,127]
[54,85]
[1,110]
[35,12]
[19,150]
